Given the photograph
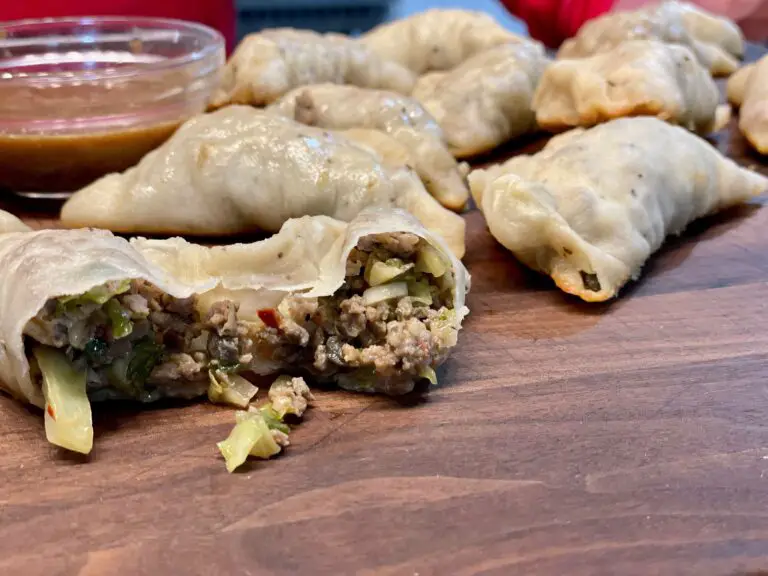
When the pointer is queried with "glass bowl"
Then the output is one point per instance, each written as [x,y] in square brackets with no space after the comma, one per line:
[83,97]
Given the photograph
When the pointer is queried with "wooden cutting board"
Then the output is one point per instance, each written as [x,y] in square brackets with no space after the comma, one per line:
[565,438]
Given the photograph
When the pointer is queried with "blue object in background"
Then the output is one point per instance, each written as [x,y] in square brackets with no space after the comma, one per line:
[350,16]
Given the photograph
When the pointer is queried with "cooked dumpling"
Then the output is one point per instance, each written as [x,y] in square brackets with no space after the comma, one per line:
[737,84]
[374,305]
[753,116]
[403,118]
[716,41]
[242,170]
[439,39]
[486,100]
[636,78]
[9,223]
[593,205]
[269,63]
[710,28]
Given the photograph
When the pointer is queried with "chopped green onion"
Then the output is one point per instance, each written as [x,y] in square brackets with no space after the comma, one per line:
[119,319]
[273,419]
[96,352]
[68,421]
[145,356]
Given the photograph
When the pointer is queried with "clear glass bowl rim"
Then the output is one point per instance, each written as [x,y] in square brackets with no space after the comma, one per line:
[212,42]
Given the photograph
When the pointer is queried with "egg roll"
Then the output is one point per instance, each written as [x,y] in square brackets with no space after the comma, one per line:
[485,101]
[737,84]
[594,204]
[440,39]
[242,170]
[636,78]
[373,305]
[716,41]
[753,115]
[270,63]
[403,118]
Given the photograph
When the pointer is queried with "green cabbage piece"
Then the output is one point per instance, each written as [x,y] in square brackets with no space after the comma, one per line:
[250,437]
[429,260]
[444,328]
[231,389]
[68,421]
[378,272]
[429,373]
[98,295]
[420,292]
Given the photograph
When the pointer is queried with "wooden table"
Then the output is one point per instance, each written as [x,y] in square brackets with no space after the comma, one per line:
[566,438]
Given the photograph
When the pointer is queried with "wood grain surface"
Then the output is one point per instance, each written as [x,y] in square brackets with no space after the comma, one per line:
[565,438]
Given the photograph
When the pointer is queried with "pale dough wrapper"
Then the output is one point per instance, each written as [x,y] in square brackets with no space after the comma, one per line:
[485,101]
[717,42]
[636,78]
[437,39]
[406,147]
[737,84]
[403,118]
[593,205]
[242,170]
[9,223]
[38,266]
[753,116]
[306,258]
[270,63]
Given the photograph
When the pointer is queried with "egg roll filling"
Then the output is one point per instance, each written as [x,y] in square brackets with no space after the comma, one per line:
[387,327]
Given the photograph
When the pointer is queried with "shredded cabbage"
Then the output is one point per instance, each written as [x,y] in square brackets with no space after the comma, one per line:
[431,261]
[250,436]
[420,292]
[232,389]
[444,328]
[378,272]
[99,294]
[68,421]
[376,294]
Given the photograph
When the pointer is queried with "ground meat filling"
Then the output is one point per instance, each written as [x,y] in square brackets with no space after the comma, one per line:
[389,345]
[138,342]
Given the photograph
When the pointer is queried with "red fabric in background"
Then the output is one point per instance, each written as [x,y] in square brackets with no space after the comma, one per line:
[218,14]
[552,21]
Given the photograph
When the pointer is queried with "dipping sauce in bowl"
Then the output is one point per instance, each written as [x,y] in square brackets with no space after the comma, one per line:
[83,97]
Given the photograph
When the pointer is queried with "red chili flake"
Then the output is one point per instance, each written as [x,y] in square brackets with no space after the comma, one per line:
[269,317]
[51,413]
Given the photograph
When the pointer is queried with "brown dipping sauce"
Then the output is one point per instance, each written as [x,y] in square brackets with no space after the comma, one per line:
[68,162]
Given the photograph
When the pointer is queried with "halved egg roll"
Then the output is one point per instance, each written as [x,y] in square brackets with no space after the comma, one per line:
[373,305]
